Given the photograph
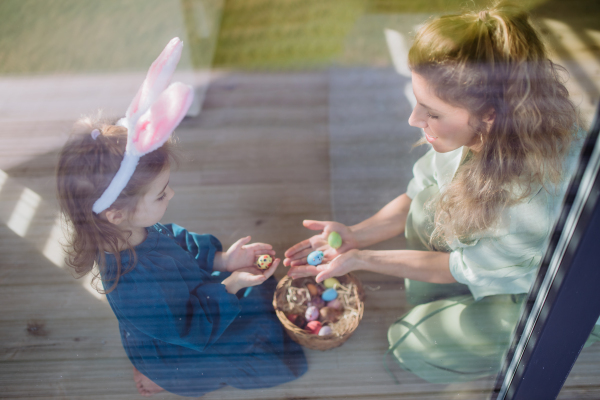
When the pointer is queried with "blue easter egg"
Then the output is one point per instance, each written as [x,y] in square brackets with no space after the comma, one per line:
[329,294]
[315,258]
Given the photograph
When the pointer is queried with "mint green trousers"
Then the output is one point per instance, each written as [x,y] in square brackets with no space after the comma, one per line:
[448,336]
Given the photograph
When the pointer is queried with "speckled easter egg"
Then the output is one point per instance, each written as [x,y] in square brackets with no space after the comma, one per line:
[336,304]
[312,313]
[264,261]
[313,327]
[312,289]
[335,240]
[328,314]
[325,330]
[329,294]
[315,258]
[331,283]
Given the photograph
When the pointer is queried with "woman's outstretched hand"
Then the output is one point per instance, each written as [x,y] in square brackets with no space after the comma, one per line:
[296,255]
[341,265]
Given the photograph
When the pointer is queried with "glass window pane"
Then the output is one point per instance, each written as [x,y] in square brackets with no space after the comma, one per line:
[301,112]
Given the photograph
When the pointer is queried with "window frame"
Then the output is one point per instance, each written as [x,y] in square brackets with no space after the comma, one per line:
[555,323]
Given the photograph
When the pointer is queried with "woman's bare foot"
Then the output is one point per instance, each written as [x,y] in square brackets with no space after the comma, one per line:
[144,385]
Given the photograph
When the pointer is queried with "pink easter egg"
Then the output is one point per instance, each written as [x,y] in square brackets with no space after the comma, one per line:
[314,327]
[335,303]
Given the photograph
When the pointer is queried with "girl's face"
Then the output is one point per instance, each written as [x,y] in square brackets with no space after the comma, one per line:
[151,208]
[446,127]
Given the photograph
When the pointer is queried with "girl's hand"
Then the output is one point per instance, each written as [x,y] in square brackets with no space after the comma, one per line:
[242,255]
[341,265]
[296,255]
[248,276]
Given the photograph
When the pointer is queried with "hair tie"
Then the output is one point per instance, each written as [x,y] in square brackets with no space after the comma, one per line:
[484,16]
[95,133]
[152,116]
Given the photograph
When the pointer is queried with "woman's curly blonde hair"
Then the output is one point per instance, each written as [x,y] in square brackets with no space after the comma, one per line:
[494,61]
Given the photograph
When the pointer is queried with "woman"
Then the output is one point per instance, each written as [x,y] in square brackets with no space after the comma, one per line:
[478,213]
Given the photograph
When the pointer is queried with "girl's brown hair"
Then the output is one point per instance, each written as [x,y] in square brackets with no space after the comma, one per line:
[494,61]
[86,167]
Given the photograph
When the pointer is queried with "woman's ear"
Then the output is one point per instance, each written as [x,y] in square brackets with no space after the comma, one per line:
[115,216]
[488,118]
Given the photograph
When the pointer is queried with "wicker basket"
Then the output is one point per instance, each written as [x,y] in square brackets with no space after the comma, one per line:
[342,329]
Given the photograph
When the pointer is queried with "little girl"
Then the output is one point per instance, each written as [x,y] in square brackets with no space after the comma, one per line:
[184,323]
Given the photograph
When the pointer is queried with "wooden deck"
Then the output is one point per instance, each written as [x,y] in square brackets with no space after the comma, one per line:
[258,163]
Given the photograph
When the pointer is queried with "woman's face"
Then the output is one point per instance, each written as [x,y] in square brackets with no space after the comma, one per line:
[446,127]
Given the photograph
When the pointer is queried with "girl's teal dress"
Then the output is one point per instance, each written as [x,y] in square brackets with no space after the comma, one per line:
[184,331]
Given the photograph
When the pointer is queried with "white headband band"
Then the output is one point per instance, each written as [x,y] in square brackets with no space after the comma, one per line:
[150,119]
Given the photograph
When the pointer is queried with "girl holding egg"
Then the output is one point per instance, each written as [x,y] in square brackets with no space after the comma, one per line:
[479,210]
[185,322]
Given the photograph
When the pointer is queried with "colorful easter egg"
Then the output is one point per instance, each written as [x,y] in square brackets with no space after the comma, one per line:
[313,289]
[317,302]
[264,261]
[297,320]
[313,327]
[300,321]
[331,283]
[325,330]
[334,240]
[328,314]
[315,258]
[312,313]
[329,294]
[336,304]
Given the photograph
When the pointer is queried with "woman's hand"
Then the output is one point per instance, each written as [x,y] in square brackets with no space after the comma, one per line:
[248,276]
[296,255]
[341,265]
[242,255]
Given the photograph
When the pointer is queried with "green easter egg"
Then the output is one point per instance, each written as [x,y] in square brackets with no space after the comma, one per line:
[335,240]
[331,283]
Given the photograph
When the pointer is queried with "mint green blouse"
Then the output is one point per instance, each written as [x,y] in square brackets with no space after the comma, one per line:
[505,258]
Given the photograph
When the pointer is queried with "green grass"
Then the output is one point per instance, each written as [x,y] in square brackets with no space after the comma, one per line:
[64,36]
[69,36]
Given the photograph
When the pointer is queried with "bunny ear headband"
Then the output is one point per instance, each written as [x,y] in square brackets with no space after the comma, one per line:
[152,116]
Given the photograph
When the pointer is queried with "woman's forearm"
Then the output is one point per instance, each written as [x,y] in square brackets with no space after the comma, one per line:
[387,223]
[426,266]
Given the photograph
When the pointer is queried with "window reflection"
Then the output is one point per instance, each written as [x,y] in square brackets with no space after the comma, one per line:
[321,90]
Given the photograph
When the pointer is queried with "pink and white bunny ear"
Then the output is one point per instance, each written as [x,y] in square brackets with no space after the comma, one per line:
[152,116]
[158,78]
[155,126]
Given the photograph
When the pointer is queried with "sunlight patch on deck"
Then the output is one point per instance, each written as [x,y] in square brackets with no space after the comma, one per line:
[3,178]
[24,211]
[53,250]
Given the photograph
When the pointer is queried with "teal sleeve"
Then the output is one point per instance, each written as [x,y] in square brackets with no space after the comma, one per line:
[202,246]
